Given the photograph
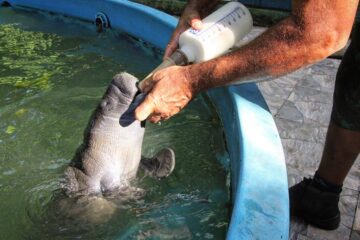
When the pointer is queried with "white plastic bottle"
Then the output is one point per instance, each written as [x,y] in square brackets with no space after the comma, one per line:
[220,31]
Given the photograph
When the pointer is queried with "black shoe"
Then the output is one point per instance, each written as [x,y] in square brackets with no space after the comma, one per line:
[161,165]
[316,207]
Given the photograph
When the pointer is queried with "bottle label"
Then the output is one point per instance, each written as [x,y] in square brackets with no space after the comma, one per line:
[194,31]
[219,26]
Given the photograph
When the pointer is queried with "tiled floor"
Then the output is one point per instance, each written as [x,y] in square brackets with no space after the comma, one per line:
[301,104]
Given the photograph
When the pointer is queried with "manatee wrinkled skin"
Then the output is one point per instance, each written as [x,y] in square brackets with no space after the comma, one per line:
[110,154]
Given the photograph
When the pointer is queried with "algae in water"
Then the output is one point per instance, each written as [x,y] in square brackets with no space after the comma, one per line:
[27,58]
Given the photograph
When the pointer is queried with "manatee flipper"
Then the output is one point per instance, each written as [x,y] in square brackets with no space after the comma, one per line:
[161,165]
[77,181]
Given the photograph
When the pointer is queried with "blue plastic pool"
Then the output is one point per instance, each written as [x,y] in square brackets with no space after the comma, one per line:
[258,172]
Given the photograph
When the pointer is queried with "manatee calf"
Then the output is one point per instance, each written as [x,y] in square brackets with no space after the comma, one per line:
[110,154]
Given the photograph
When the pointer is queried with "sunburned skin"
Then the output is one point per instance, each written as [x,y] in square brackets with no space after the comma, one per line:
[313,31]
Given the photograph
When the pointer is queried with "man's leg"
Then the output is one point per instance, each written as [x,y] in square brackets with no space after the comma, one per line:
[341,150]
[342,144]
[316,200]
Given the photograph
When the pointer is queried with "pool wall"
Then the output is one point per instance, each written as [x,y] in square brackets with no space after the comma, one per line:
[258,171]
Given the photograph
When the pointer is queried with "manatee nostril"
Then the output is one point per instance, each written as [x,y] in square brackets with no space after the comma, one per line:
[104,103]
[107,105]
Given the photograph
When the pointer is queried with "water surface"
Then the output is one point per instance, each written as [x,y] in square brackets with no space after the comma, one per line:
[53,72]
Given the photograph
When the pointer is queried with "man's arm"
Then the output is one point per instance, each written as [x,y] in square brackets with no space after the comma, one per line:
[314,30]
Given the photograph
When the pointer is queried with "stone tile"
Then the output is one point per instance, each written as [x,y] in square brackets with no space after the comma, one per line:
[293,235]
[326,82]
[290,111]
[304,156]
[298,226]
[326,67]
[274,102]
[309,82]
[318,112]
[347,221]
[352,180]
[319,82]
[275,89]
[305,94]
[302,237]
[348,203]
[357,162]
[356,225]
[309,131]
[342,233]
[296,236]
[289,80]
[295,175]
[302,73]
[355,235]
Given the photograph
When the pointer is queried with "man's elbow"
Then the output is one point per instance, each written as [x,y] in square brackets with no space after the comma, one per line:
[328,43]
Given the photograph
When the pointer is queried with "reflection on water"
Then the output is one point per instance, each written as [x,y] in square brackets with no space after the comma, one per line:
[52,75]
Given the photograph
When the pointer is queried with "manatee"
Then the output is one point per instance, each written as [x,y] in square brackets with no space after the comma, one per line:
[110,155]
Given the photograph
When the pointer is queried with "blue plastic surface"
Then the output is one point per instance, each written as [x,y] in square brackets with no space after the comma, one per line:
[258,172]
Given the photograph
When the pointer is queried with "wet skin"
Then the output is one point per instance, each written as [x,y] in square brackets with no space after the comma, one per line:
[111,151]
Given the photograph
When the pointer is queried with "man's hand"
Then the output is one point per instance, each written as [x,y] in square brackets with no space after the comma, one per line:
[171,90]
[189,18]
[194,11]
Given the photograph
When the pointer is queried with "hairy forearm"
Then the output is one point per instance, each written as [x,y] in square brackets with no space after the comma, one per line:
[295,42]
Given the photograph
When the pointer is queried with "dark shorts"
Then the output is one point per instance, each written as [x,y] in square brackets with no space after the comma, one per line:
[346,108]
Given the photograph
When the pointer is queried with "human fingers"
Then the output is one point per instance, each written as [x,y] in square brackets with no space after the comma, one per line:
[195,22]
[148,83]
[191,18]
[154,118]
[173,43]
[146,108]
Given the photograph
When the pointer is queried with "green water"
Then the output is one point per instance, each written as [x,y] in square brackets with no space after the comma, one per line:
[53,73]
